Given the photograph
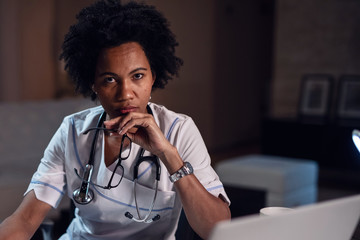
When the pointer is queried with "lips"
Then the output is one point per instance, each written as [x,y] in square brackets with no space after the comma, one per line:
[126,110]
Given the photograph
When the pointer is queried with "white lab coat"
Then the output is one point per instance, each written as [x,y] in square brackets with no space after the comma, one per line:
[104,217]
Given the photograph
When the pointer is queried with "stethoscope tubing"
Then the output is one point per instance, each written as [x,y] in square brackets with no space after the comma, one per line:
[84,195]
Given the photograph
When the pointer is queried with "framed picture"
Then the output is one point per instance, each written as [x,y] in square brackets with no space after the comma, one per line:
[315,96]
[348,105]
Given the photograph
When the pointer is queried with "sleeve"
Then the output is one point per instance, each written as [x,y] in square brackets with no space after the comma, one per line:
[187,139]
[48,182]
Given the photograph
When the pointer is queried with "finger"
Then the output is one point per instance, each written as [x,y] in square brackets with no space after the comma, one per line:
[133,122]
[132,119]
[118,122]
[112,123]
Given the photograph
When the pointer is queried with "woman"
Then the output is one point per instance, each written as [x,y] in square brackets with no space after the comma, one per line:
[118,55]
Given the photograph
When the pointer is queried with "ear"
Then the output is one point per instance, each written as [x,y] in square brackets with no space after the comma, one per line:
[93,88]
[153,77]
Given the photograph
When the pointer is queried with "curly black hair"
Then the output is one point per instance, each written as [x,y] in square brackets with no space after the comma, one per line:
[108,23]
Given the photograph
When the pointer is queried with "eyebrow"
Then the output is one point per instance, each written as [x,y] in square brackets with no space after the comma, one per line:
[107,73]
[114,74]
[137,69]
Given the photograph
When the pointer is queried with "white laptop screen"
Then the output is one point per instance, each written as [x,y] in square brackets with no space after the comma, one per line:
[330,220]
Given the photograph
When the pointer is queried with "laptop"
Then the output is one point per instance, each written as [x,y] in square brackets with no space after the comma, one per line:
[329,220]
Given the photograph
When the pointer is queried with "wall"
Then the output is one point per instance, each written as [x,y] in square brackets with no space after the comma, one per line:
[64,16]
[244,33]
[312,36]
[192,92]
[224,44]
[9,57]
[31,36]
[26,60]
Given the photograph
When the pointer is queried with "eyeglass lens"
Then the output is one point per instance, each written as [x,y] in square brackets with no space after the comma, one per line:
[118,172]
[125,148]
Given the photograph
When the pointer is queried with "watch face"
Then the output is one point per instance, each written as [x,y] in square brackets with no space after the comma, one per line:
[189,168]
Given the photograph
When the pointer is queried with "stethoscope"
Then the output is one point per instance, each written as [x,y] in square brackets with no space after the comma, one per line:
[84,195]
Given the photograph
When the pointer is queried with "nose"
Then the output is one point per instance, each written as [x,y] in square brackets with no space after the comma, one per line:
[124,90]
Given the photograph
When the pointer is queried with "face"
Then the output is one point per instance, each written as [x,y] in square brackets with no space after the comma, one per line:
[123,79]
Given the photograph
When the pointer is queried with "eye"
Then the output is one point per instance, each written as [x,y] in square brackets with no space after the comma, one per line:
[109,79]
[138,76]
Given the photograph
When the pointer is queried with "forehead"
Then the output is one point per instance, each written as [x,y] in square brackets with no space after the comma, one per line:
[126,55]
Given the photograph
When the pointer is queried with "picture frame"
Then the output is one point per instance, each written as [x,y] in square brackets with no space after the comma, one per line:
[315,95]
[348,101]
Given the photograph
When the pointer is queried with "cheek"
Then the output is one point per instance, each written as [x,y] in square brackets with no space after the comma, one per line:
[146,92]
[148,88]
[104,96]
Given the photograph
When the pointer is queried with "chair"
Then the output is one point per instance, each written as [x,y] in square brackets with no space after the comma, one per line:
[184,231]
[45,231]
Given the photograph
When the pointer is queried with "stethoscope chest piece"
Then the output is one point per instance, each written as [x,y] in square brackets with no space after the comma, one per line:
[84,195]
[83,198]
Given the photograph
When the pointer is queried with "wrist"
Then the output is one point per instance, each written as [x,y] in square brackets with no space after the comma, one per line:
[171,159]
[185,170]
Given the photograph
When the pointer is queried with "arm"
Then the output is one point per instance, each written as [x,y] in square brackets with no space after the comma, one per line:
[27,218]
[202,209]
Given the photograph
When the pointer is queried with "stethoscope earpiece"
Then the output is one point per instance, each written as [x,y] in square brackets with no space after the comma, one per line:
[130,216]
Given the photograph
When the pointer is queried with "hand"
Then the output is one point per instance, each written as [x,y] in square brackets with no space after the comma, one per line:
[142,130]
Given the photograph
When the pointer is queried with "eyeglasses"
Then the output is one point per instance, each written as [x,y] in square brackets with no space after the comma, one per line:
[118,172]
[84,195]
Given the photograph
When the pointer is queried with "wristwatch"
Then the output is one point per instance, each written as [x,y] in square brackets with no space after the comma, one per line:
[182,172]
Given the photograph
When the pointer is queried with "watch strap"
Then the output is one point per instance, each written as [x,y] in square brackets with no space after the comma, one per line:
[185,170]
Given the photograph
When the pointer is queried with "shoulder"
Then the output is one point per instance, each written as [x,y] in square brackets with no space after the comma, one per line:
[165,117]
[169,121]
[84,119]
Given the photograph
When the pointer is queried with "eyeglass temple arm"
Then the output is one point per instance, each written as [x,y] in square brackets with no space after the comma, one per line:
[99,128]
